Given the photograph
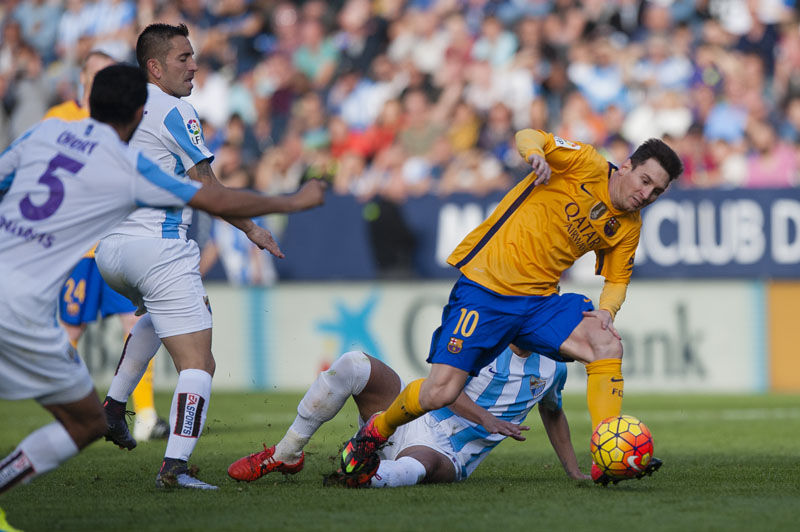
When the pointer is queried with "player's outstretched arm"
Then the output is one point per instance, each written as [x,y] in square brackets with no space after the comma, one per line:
[557,428]
[222,201]
[203,173]
[466,408]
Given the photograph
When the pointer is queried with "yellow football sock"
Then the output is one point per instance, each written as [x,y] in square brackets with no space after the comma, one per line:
[604,389]
[74,343]
[143,394]
[403,409]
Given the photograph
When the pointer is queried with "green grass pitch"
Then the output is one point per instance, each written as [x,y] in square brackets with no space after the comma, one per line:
[731,463]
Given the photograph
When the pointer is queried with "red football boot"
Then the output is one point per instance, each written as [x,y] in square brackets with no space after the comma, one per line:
[254,466]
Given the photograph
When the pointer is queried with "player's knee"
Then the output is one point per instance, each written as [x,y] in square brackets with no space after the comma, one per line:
[438,395]
[351,371]
[348,362]
[338,374]
[606,348]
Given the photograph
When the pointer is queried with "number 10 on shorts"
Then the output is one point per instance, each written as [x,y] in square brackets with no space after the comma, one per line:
[466,323]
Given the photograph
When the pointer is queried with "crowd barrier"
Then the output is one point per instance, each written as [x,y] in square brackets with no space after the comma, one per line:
[680,336]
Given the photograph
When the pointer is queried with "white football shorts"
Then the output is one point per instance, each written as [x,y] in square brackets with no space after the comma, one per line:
[38,362]
[423,431]
[160,276]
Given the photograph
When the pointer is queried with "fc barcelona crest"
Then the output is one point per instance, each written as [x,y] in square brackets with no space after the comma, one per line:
[455,345]
[611,228]
[598,211]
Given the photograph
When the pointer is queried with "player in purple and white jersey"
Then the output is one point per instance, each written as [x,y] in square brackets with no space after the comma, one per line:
[63,186]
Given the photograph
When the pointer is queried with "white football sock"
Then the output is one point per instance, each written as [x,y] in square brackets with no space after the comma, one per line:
[347,376]
[187,415]
[143,424]
[405,471]
[41,451]
[140,346]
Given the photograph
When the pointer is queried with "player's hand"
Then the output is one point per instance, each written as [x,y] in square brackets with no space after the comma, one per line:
[311,194]
[499,426]
[263,239]
[542,169]
[578,475]
[606,321]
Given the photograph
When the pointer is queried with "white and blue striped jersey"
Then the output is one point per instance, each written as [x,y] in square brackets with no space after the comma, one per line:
[63,186]
[171,135]
[508,388]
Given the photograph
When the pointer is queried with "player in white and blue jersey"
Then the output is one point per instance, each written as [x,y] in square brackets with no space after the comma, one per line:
[148,259]
[63,186]
[445,445]
[170,134]
[85,295]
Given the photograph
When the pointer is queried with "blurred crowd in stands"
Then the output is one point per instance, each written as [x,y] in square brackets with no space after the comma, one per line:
[393,99]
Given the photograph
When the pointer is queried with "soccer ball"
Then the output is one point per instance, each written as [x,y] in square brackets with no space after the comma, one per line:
[622,446]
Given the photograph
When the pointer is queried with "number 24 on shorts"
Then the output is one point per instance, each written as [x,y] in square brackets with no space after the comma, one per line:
[466,323]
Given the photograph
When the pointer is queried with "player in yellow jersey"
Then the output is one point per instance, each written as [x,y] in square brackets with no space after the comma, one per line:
[85,294]
[572,203]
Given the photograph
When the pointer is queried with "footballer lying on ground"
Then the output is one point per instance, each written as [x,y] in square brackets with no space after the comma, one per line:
[445,445]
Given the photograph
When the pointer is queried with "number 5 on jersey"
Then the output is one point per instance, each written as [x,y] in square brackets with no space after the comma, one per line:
[55,189]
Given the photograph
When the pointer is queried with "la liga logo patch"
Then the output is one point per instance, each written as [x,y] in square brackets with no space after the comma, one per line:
[193,126]
[563,143]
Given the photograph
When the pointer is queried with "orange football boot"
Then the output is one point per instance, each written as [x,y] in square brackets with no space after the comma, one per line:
[254,466]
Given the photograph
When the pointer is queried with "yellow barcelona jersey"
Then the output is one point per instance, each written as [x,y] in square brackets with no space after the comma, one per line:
[70,111]
[536,233]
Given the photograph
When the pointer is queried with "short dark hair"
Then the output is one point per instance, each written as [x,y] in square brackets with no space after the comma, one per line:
[665,156]
[117,93]
[154,42]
